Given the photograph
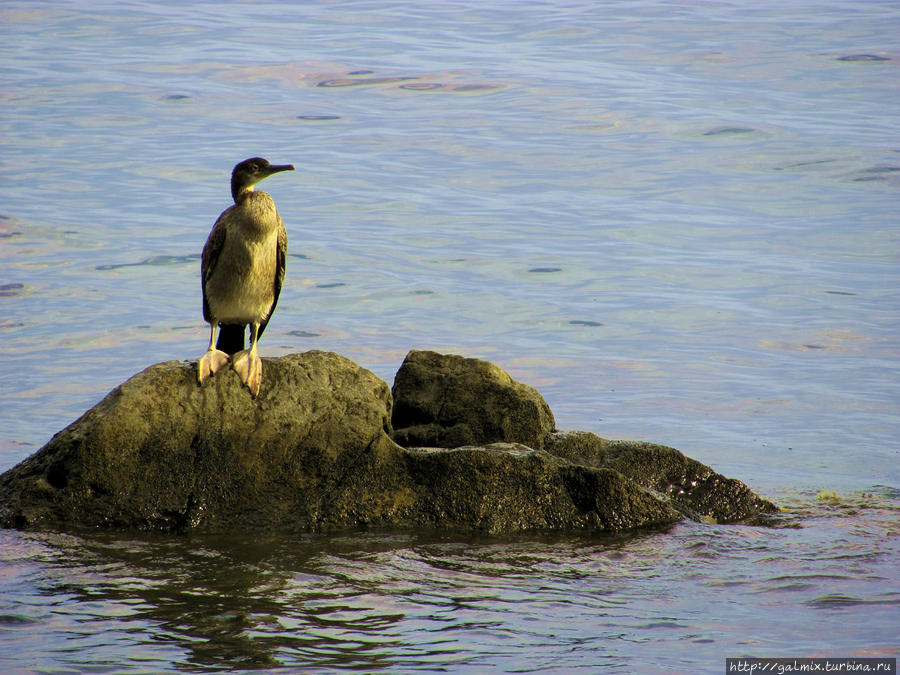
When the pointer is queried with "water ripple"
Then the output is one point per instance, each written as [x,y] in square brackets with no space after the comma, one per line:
[499,180]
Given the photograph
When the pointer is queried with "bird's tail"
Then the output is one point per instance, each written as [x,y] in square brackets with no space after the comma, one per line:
[231,338]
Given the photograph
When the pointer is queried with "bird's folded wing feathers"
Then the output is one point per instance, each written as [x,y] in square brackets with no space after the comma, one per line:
[210,258]
[280,262]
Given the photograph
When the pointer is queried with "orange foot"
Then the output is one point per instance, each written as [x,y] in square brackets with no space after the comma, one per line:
[248,366]
[209,363]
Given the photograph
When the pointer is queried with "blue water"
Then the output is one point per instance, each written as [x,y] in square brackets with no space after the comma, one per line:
[678,221]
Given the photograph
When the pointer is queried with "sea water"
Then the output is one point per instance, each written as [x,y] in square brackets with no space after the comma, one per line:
[678,221]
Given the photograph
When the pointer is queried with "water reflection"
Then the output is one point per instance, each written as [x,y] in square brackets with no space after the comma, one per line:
[363,601]
[389,601]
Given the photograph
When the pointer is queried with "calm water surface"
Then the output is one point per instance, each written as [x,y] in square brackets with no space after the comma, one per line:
[679,221]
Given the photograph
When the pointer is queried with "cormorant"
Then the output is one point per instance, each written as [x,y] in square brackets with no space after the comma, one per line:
[241,271]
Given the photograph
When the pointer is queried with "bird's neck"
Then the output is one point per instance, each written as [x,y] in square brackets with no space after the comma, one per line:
[239,189]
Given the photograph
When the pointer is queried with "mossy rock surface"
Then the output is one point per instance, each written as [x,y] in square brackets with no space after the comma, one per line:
[162,452]
[448,401]
[691,486]
[316,451]
[506,487]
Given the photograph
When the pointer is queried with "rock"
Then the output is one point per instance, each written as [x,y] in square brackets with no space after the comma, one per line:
[693,488]
[505,487]
[313,452]
[448,401]
[161,452]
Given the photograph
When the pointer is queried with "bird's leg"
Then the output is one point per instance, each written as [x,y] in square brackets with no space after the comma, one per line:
[247,363]
[213,359]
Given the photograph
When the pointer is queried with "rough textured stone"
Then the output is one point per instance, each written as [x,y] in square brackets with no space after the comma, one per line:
[506,487]
[313,452]
[162,452]
[448,401]
[693,488]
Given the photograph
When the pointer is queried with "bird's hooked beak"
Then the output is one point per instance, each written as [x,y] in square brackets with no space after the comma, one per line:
[275,168]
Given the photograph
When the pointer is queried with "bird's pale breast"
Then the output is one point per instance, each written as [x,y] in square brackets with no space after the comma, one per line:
[240,288]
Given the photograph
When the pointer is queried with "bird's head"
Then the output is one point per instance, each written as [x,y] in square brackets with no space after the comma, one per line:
[249,172]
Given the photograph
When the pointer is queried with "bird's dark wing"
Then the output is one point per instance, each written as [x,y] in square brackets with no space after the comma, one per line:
[280,260]
[231,336]
[210,258]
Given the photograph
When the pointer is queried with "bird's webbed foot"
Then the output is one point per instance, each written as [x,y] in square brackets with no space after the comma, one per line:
[209,363]
[248,366]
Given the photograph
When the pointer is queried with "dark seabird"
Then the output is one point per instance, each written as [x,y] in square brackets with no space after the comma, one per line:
[241,273]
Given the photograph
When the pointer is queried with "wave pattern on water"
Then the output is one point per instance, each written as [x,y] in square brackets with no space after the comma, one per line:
[679,222]
[420,601]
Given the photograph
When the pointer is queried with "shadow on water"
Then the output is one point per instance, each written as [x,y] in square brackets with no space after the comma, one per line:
[353,601]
